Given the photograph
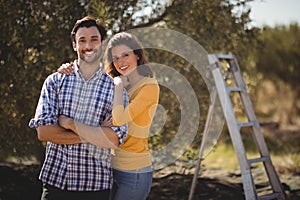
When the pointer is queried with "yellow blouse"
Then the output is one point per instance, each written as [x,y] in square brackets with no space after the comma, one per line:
[134,153]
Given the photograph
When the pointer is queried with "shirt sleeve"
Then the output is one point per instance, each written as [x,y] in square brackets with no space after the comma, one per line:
[122,130]
[146,97]
[47,108]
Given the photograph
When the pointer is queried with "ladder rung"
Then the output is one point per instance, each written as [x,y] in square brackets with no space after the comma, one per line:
[257,160]
[235,89]
[270,196]
[246,124]
[225,56]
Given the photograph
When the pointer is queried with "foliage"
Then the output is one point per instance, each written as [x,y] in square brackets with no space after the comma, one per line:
[277,59]
[123,15]
[33,43]
[280,50]
[214,26]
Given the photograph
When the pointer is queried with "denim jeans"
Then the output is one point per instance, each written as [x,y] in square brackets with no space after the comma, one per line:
[131,184]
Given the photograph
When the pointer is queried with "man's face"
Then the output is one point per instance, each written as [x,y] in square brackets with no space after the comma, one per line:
[88,44]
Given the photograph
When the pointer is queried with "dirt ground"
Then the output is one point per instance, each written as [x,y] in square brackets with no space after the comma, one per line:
[172,183]
[216,184]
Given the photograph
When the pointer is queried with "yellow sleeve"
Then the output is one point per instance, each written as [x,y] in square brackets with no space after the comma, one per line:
[146,97]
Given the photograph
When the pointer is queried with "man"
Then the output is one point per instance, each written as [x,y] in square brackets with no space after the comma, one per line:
[73,168]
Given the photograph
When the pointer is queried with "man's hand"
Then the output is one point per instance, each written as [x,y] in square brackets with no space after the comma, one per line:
[102,136]
[107,122]
[67,123]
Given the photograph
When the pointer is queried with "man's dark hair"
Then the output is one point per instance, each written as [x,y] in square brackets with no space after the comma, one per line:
[87,22]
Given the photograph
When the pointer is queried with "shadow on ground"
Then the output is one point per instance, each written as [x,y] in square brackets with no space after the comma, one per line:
[20,181]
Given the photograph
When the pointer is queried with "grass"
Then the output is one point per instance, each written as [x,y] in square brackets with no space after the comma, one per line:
[287,160]
[222,156]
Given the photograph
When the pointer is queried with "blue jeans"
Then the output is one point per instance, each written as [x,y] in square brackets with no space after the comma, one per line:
[131,184]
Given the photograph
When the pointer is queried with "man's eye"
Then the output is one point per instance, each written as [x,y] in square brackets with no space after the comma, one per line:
[126,54]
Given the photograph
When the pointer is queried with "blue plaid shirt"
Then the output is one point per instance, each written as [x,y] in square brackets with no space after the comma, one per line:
[79,167]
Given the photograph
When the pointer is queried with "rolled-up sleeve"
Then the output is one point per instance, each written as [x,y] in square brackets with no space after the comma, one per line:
[47,109]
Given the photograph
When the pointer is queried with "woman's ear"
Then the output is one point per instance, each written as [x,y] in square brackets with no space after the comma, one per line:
[137,56]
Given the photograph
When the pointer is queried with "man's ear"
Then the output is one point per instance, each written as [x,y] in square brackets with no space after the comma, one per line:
[74,46]
[103,42]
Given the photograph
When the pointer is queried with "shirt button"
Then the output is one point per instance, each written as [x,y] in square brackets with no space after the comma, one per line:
[70,148]
[69,166]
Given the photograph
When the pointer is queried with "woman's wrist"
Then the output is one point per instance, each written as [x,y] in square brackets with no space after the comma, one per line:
[119,88]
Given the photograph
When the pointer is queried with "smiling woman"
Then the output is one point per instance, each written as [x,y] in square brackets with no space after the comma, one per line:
[124,59]
[131,162]
[125,43]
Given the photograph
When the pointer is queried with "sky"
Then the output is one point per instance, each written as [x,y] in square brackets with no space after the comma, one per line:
[272,12]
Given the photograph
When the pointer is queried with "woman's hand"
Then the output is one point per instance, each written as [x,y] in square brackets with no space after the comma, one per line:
[118,81]
[66,68]
[121,81]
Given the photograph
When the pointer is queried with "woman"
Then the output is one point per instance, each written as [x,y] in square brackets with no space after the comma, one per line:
[132,168]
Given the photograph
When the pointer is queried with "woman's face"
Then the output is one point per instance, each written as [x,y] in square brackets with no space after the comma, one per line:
[124,59]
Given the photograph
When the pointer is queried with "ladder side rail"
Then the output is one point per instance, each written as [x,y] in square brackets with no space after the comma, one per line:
[234,129]
[259,138]
[248,183]
[248,108]
[237,75]
[204,138]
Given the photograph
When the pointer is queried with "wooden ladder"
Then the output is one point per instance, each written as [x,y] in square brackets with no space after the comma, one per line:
[224,91]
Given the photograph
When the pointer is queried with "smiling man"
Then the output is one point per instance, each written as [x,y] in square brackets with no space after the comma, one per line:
[78,162]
